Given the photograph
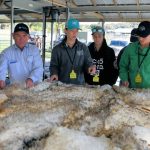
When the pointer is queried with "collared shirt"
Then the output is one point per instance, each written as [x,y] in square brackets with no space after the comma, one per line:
[21,64]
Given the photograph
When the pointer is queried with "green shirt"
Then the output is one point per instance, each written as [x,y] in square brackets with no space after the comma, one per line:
[133,61]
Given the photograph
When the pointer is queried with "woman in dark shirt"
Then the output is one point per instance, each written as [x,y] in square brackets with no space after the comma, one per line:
[104,58]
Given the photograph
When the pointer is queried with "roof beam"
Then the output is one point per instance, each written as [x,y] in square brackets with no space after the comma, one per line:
[74,3]
[115,3]
[138,6]
[111,8]
[99,15]
[31,5]
[62,3]
[16,11]
[84,19]
[58,3]
[1,2]
[93,2]
[96,14]
[143,8]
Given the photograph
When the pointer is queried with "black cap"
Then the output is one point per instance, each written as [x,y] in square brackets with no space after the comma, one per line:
[134,37]
[143,29]
[21,27]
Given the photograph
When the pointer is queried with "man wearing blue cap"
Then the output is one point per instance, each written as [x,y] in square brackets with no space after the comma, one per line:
[103,57]
[135,61]
[22,60]
[71,58]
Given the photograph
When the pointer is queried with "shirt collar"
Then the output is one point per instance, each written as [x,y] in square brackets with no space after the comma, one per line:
[65,45]
[26,46]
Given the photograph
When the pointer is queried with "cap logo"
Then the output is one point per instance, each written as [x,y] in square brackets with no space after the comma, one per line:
[23,28]
[74,23]
[142,28]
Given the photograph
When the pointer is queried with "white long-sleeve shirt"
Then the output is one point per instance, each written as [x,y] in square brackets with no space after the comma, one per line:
[21,65]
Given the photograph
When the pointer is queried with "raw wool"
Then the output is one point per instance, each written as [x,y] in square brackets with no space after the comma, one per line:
[3,98]
[135,96]
[126,139]
[124,115]
[67,139]
[16,137]
[42,86]
[92,125]
[142,133]
[106,87]
[122,90]
[81,93]
[94,111]
[28,126]
[139,98]
[81,96]
[15,90]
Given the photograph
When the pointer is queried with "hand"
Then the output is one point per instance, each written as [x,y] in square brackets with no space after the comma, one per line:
[125,83]
[29,83]
[92,69]
[2,84]
[53,78]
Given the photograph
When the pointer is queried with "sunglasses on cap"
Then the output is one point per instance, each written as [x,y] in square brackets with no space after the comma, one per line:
[99,30]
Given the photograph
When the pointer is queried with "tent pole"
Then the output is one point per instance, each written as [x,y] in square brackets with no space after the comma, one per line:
[12,21]
[44,39]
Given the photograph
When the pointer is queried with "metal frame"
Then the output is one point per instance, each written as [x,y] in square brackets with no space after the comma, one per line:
[91,11]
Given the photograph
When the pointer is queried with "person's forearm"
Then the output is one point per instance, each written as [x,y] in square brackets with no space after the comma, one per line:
[2,84]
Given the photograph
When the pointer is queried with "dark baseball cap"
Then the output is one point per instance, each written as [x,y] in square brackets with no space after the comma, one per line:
[143,29]
[21,27]
[134,37]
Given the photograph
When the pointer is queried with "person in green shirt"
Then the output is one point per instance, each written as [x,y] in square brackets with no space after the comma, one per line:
[135,61]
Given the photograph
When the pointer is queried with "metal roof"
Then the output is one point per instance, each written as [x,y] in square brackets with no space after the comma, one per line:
[84,10]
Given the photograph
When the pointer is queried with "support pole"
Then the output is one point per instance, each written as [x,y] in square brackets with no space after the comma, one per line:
[103,23]
[44,38]
[12,22]
[67,11]
[52,31]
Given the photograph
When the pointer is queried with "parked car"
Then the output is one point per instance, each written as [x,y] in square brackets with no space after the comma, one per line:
[117,45]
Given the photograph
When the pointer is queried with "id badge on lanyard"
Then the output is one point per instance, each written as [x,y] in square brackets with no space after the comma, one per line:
[73,75]
[96,78]
[138,78]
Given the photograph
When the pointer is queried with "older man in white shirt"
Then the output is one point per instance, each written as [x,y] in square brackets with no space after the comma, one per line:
[22,61]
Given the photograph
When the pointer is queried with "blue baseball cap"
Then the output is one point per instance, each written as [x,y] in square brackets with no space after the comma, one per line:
[72,24]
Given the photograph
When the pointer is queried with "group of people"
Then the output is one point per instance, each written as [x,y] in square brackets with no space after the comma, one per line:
[72,62]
